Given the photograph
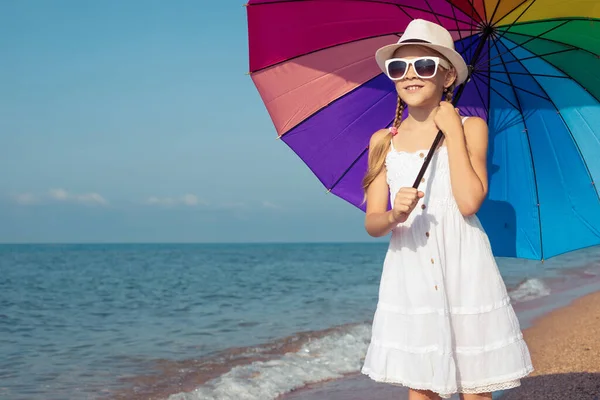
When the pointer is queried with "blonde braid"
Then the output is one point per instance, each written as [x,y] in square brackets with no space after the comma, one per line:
[378,153]
[399,112]
[449,94]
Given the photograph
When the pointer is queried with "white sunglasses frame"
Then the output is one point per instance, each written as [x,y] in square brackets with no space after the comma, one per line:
[411,62]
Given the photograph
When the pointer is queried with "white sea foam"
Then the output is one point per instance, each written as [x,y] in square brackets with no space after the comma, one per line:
[322,358]
[319,359]
[528,290]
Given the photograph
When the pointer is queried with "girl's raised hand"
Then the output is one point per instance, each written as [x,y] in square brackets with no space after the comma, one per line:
[405,201]
[447,118]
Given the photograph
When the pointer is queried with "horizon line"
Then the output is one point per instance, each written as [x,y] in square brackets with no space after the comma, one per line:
[375,240]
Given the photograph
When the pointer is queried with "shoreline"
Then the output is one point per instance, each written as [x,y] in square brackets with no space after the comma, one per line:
[562,332]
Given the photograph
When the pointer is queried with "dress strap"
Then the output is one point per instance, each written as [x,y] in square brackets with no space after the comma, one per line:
[392,140]
[464,119]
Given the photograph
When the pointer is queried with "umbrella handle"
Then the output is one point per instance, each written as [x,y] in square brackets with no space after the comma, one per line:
[482,40]
[440,135]
[435,144]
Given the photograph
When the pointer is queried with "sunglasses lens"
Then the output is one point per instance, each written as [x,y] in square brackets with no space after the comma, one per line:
[396,69]
[425,67]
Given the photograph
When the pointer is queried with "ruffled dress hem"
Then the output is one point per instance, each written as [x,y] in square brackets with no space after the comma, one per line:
[492,385]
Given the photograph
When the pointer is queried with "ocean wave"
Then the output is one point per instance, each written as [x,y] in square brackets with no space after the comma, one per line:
[322,358]
[529,289]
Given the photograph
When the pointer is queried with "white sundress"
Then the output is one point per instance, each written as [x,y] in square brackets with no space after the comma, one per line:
[444,321]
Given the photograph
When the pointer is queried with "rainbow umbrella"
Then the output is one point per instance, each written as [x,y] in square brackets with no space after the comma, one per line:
[535,77]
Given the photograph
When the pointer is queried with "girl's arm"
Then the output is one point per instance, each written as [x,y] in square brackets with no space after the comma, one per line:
[378,220]
[467,152]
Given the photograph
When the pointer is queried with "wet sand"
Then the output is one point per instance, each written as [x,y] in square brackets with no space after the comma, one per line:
[565,349]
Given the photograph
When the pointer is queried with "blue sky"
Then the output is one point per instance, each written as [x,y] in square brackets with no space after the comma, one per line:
[135,121]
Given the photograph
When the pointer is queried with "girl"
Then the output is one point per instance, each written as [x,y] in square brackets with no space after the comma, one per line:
[444,323]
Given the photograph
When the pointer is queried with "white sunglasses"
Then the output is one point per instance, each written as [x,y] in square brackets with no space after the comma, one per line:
[424,67]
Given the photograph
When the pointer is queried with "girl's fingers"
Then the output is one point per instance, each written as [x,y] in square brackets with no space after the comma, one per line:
[408,202]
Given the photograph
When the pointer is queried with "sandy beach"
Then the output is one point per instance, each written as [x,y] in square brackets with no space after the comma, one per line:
[565,348]
[564,345]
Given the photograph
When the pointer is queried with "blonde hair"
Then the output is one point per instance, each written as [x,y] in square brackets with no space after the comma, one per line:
[377,154]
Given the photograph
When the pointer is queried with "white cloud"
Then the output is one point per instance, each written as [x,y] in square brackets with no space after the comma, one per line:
[91,198]
[83,198]
[24,198]
[190,200]
[59,195]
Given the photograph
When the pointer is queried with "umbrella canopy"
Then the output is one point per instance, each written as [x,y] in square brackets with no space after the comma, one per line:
[535,80]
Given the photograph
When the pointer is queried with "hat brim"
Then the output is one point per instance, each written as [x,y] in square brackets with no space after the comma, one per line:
[462,71]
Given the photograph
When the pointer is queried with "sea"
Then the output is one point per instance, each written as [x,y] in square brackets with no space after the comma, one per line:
[205,321]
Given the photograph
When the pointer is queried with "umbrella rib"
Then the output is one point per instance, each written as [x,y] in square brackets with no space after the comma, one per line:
[489,83]
[436,14]
[494,12]
[537,194]
[561,70]
[539,36]
[359,156]
[472,10]
[540,75]
[532,57]
[479,92]
[457,27]
[405,12]
[348,169]
[564,122]
[466,49]
[352,164]
[472,30]
[516,20]
[485,12]
[572,47]
[555,19]
[516,87]
[511,11]
[498,93]
[431,9]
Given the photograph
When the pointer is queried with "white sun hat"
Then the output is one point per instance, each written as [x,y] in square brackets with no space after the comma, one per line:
[427,34]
